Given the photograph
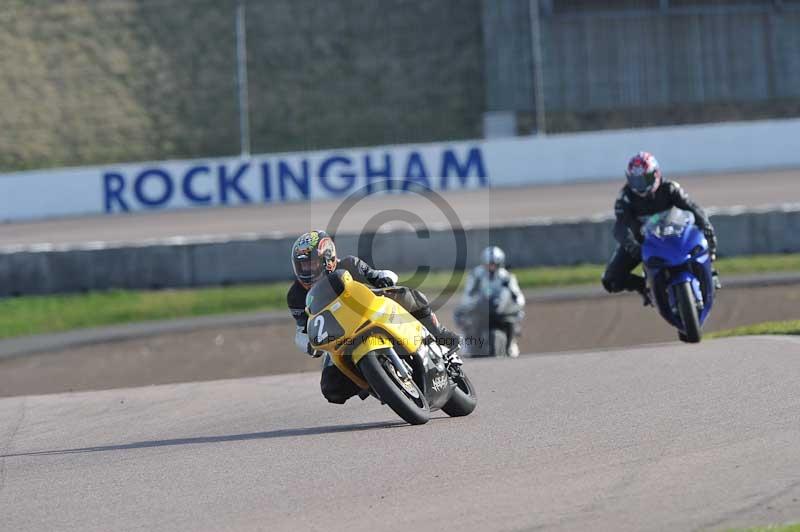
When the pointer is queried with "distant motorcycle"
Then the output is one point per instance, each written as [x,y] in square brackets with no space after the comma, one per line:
[678,269]
[488,323]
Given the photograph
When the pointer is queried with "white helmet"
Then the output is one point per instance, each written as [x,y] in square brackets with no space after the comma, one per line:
[493,255]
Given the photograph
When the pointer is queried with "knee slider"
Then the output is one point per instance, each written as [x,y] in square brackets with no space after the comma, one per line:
[335,398]
[333,393]
[611,284]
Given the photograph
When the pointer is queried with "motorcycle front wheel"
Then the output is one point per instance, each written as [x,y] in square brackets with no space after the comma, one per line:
[401,395]
[687,307]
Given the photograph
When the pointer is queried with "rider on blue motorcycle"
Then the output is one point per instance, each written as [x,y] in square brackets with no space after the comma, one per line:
[314,255]
[645,194]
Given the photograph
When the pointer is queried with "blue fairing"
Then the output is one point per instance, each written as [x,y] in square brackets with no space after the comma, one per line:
[674,252]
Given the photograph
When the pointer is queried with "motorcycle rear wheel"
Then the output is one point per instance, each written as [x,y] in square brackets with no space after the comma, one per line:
[405,398]
[464,399]
[687,307]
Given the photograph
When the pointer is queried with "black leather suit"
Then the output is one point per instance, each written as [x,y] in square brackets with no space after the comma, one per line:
[630,210]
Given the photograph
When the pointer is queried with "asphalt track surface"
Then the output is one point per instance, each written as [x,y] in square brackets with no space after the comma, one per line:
[484,208]
[670,437]
[660,437]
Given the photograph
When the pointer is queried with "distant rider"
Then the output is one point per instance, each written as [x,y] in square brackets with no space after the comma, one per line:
[645,194]
[492,277]
[314,255]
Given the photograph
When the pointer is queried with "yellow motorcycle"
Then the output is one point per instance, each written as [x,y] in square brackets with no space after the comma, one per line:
[378,345]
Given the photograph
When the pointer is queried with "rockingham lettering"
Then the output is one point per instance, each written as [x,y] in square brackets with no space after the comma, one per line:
[293,177]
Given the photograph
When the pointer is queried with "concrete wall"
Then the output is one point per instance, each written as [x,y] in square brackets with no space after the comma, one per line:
[279,178]
[260,260]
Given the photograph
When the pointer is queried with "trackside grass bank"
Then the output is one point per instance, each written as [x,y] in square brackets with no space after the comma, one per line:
[774,327]
[45,314]
[770,528]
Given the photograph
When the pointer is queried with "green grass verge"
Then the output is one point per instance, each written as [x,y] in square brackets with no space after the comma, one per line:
[774,327]
[45,314]
[41,314]
[770,528]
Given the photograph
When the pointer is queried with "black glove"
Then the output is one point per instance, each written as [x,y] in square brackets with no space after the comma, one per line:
[633,248]
[316,353]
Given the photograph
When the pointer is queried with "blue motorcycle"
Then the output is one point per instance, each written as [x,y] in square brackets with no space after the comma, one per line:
[678,269]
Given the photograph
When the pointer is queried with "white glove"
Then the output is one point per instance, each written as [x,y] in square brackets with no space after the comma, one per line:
[301,340]
[302,343]
[384,278]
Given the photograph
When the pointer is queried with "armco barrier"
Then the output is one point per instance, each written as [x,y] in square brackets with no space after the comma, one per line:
[189,263]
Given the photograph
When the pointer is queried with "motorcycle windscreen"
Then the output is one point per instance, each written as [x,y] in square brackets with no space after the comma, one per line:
[672,222]
[324,292]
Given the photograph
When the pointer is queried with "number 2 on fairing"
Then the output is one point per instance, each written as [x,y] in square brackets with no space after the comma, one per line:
[319,324]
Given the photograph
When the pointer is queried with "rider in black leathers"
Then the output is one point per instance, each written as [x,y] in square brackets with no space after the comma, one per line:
[314,255]
[645,194]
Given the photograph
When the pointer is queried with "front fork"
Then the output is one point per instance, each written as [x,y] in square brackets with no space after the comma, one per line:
[696,290]
[401,367]
[672,282]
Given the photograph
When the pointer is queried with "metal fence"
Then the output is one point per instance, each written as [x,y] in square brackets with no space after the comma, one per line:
[98,81]
[643,62]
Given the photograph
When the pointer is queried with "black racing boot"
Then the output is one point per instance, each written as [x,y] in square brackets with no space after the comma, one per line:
[637,283]
[446,338]
[646,300]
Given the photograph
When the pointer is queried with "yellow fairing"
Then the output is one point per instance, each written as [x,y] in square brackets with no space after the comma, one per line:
[348,362]
[390,326]
[346,366]
[372,343]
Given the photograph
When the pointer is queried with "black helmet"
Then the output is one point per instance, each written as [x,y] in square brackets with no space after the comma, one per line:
[313,254]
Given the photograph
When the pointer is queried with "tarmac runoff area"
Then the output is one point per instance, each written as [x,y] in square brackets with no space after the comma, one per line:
[481,208]
[664,437]
[262,344]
